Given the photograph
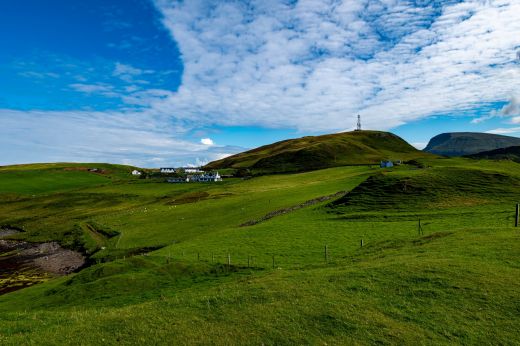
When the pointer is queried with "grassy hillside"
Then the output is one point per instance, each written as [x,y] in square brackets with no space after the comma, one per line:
[52,177]
[467,143]
[454,282]
[436,187]
[509,153]
[317,152]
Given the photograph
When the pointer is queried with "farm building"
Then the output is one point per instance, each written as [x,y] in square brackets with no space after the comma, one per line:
[192,170]
[200,178]
[178,180]
[387,164]
[136,172]
[205,178]
[167,170]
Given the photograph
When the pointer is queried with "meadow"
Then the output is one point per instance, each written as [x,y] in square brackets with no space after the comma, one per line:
[172,263]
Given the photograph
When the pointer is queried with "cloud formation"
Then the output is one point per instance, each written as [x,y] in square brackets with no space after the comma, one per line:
[99,137]
[310,65]
[313,65]
[207,141]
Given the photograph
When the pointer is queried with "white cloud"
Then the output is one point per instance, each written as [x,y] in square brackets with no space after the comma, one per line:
[307,65]
[512,108]
[39,75]
[128,73]
[98,88]
[122,69]
[207,141]
[313,65]
[504,131]
[115,137]
[220,156]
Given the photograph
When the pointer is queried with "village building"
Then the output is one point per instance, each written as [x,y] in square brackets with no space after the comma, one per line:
[198,178]
[168,170]
[136,172]
[208,177]
[192,170]
[386,164]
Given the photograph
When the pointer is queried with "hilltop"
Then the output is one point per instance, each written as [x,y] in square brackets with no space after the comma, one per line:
[509,153]
[467,143]
[317,152]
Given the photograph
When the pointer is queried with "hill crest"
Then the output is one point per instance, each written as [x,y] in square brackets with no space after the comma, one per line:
[317,152]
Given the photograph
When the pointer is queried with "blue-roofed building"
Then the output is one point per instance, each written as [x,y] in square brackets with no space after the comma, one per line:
[387,164]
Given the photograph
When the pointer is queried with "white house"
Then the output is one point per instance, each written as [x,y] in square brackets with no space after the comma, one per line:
[136,172]
[168,170]
[206,177]
[191,170]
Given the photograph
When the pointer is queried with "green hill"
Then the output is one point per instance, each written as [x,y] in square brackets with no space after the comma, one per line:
[51,177]
[509,153]
[172,263]
[317,152]
[435,187]
[467,143]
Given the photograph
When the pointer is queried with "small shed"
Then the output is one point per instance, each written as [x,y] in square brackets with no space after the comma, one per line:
[136,172]
[387,164]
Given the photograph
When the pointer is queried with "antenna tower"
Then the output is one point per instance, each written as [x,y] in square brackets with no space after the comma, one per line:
[358,128]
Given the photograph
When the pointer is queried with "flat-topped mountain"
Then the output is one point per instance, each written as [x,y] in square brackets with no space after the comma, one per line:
[316,152]
[467,143]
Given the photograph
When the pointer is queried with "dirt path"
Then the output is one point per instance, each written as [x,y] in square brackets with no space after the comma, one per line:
[294,208]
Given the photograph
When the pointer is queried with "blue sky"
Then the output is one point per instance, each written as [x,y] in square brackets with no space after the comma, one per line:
[166,82]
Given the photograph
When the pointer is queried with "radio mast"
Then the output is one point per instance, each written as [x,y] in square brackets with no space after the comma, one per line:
[358,128]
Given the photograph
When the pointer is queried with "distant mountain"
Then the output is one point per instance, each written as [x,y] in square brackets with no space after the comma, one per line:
[467,143]
[509,153]
[317,152]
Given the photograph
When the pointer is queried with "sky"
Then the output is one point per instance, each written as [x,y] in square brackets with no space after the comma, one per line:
[157,83]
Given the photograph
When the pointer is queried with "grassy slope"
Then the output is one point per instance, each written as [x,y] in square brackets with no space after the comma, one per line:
[509,153]
[317,152]
[48,178]
[455,283]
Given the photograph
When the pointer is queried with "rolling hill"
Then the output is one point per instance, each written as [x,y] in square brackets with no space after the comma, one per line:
[509,153]
[179,268]
[467,143]
[317,152]
[172,263]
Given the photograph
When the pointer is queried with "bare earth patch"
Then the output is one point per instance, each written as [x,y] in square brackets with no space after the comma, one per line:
[23,264]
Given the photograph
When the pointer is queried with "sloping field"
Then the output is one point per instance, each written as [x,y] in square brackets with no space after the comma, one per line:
[178,268]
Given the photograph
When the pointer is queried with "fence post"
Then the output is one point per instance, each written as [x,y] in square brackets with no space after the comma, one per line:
[326,254]
[517,214]
[361,242]
[229,260]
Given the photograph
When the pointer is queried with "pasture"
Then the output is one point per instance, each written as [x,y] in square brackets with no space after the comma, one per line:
[164,276]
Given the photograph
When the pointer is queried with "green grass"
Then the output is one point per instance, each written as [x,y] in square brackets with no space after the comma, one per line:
[38,179]
[454,283]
